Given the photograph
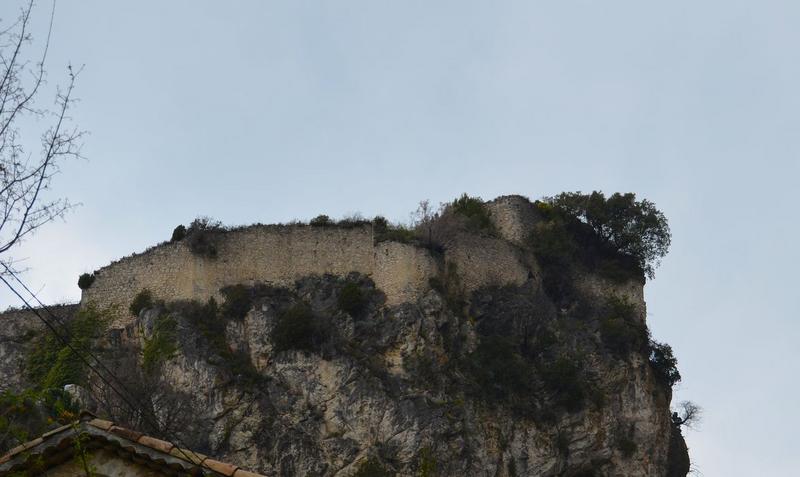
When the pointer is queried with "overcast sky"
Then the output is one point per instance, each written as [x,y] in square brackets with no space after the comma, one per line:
[272,111]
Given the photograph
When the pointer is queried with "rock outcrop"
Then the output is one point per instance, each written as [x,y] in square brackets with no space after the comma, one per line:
[480,372]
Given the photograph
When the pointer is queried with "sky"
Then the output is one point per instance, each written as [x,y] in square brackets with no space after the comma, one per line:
[269,111]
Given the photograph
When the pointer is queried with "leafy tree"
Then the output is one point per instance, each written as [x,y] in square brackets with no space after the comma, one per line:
[664,363]
[632,228]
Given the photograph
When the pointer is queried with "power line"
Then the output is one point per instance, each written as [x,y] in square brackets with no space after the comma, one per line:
[83,359]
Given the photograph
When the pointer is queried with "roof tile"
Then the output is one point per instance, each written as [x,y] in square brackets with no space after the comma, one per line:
[126,433]
[244,473]
[156,444]
[221,467]
[186,454]
[101,424]
[56,431]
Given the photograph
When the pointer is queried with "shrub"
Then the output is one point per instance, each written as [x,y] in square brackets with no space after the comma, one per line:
[563,378]
[298,329]
[162,344]
[473,209]
[664,364]
[142,300]
[238,301]
[499,370]
[384,231]
[85,280]
[321,220]
[52,363]
[632,228]
[351,299]
[353,220]
[178,234]
[621,330]
[202,235]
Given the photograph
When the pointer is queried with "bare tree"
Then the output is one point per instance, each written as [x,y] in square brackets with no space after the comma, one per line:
[25,176]
[688,415]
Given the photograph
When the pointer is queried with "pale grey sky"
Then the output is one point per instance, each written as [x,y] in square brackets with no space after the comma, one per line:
[269,111]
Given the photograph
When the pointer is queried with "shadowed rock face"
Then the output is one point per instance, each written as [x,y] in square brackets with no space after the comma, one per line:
[475,374]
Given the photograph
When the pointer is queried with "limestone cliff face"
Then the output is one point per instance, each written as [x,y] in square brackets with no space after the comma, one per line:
[479,371]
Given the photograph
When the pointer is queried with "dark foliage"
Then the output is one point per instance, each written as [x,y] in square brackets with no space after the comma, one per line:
[321,220]
[201,236]
[85,280]
[178,234]
[52,364]
[474,211]
[634,230]
[385,231]
[563,378]
[142,300]
[298,328]
[161,345]
[500,371]
[351,299]
[27,414]
[664,363]
[208,320]
[621,329]
[238,301]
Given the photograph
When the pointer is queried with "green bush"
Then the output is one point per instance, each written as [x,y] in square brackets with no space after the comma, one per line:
[384,231]
[664,364]
[631,228]
[162,344]
[238,301]
[142,300]
[351,299]
[500,371]
[178,234]
[473,209]
[321,220]
[210,322]
[298,329]
[52,364]
[201,236]
[563,378]
[85,280]
[621,329]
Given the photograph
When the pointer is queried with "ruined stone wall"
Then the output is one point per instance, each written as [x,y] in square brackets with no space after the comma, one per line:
[270,254]
[514,217]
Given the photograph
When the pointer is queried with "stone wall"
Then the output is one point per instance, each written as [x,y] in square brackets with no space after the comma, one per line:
[269,254]
[514,217]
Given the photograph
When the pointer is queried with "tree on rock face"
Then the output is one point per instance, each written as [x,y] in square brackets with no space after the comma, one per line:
[633,228]
[25,175]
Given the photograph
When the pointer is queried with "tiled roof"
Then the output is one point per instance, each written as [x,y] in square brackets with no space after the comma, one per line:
[50,446]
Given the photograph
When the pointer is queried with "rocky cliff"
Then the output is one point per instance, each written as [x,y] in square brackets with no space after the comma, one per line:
[511,360]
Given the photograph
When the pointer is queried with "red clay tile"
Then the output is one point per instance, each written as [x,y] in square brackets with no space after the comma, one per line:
[101,424]
[244,473]
[156,444]
[126,433]
[221,467]
[188,455]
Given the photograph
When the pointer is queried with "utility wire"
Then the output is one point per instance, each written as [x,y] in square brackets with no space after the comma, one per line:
[89,365]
